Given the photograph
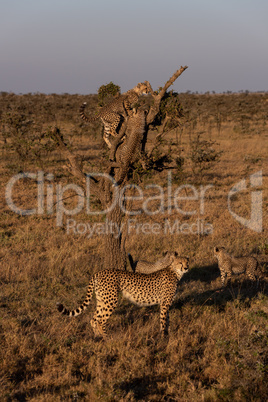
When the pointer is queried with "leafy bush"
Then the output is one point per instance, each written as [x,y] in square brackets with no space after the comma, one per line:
[107,92]
[170,112]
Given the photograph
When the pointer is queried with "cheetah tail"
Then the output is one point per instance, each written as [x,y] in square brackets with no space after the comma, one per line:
[84,117]
[84,305]
[132,263]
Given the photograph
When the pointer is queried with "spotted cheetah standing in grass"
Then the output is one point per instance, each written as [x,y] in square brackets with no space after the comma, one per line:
[116,111]
[229,265]
[141,289]
[146,267]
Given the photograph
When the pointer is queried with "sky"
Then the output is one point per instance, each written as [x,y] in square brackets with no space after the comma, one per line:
[67,46]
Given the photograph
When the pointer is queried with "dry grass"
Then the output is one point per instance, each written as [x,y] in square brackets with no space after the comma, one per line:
[217,350]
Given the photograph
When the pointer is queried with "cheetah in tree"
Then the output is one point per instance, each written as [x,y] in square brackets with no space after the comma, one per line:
[229,265]
[146,267]
[116,111]
[141,289]
[131,147]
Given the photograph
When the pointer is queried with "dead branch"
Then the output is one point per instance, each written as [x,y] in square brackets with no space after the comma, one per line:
[157,97]
[75,161]
[159,135]
[171,81]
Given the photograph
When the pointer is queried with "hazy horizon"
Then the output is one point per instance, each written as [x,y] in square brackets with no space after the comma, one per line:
[75,47]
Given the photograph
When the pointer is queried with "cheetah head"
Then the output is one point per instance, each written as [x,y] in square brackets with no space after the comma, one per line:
[142,88]
[218,251]
[180,264]
[175,261]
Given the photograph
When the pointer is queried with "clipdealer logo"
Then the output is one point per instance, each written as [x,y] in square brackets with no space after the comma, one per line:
[255,221]
[51,196]
[168,200]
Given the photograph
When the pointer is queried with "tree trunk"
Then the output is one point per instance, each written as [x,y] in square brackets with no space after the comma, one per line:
[121,154]
[115,254]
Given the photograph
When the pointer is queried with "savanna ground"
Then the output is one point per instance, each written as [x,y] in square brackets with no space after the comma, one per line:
[217,349]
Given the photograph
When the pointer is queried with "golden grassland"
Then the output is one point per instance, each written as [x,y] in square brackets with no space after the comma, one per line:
[217,348]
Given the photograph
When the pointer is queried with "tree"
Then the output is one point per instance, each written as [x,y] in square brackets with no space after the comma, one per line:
[131,140]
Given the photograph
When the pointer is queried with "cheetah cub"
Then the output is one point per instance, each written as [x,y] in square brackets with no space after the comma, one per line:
[146,267]
[144,290]
[113,114]
[229,265]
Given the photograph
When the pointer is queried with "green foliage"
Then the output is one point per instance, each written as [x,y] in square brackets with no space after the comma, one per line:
[171,108]
[107,92]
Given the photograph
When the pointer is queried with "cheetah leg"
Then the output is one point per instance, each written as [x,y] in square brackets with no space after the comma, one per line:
[228,279]
[113,122]
[223,277]
[107,312]
[253,278]
[164,319]
[258,273]
[96,327]
[96,321]
[106,139]
[106,133]
[226,276]
[102,314]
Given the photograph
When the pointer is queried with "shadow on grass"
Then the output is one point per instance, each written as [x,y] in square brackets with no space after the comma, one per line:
[244,292]
[207,274]
[142,386]
[239,288]
[211,272]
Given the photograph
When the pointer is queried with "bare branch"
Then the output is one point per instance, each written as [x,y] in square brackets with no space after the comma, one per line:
[74,161]
[159,135]
[157,98]
[171,80]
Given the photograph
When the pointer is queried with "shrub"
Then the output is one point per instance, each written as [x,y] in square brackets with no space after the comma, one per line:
[107,92]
